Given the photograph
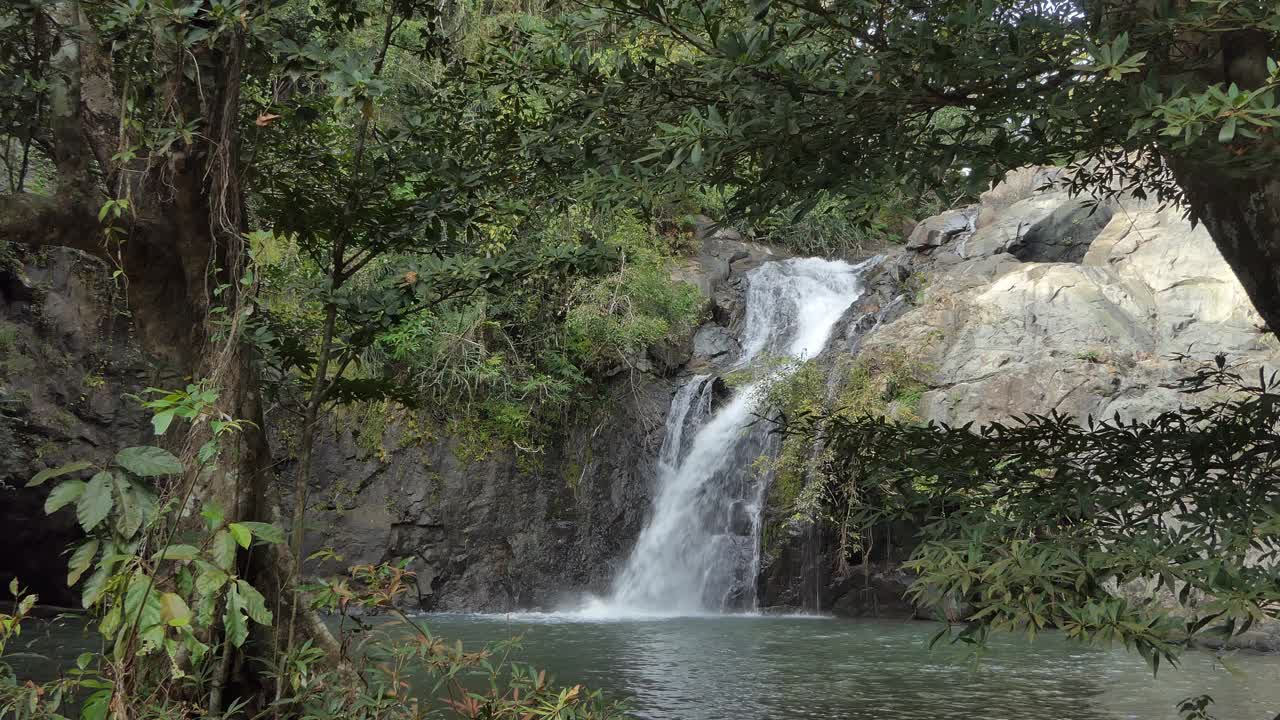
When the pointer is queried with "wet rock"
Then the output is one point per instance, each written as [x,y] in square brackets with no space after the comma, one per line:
[740,520]
[713,342]
[868,592]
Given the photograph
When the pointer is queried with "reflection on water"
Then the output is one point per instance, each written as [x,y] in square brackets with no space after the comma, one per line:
[770,668]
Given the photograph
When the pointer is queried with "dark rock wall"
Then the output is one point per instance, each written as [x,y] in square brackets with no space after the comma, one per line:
[512,530]
[67,366]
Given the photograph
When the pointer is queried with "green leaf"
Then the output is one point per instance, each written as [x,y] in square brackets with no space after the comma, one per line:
[81,560]
[174,611]
[129,519]
[95,708]
[63,495]
[210,580]
[212,515]
[233,618]
[254,603]
[179,553]
[223,550]
[96,502]
[1228,131]
[94,586]
[142,607]
[160,421]
[240,534]
[148,461]
[266,532]
[44,475]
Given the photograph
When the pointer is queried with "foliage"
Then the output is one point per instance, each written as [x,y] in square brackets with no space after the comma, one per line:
[162,587]
[482,683]
[613,320]
[1044,523]
[887,383]
[504,367]
[783,102]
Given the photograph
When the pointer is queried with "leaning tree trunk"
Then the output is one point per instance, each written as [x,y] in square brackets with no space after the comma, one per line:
[1241,212]
[1243,217]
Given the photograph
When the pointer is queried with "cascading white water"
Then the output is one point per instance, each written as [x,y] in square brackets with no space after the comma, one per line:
[700,551]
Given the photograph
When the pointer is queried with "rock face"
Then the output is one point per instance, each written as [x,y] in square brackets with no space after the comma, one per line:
[503,531]
[67,364]
[1032,301]
[1094,332]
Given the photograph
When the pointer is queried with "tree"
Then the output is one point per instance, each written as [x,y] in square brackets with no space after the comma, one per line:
[784,101]
[160,118]
[1147,533]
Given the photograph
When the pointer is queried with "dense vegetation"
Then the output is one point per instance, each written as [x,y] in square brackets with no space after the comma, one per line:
[1147,533]
[329,202]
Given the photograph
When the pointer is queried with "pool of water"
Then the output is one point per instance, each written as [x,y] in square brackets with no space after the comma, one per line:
[774,668]
[767,668]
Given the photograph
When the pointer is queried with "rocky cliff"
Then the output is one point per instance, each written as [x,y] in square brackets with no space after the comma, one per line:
[1027,301]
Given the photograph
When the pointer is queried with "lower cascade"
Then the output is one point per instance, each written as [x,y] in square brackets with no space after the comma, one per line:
[700,551]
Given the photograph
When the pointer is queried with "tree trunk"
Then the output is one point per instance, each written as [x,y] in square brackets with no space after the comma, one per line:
[1243,217]
[183,237]
[1241,212]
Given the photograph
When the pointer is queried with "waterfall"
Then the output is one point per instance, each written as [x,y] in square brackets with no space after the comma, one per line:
[700,551]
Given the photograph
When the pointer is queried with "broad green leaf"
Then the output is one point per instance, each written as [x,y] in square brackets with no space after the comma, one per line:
[1228,131]
[180,553]
[44,475]
[96,707]
[254,604]
[233,619]
[96,502]
[81,560]
[266,532]
[142,608]
[160,421]
[240,534]
[223,550]
[94,586]
[174,611]
[64,494]
[129,511]
[148,461]
[213,516]
[111,621]
[210,580]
